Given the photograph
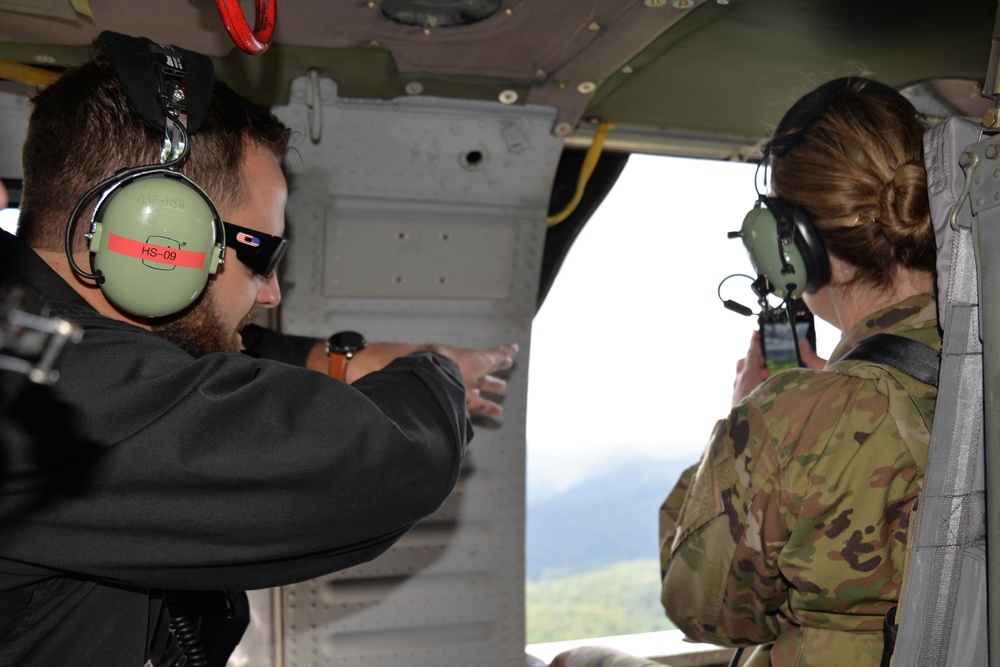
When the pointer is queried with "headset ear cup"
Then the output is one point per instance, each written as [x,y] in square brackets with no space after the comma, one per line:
[784,248]
[156,239]
[759,233]
[812,249]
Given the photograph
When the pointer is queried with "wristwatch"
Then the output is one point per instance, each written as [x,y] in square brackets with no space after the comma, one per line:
[341,347]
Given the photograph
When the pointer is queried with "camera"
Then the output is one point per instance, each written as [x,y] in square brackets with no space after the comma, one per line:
[781,329]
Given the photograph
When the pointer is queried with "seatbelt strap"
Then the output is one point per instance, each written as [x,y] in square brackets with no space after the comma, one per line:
[942,619]
[921,362]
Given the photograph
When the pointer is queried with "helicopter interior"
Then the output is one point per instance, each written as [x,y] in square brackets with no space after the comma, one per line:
[448,154]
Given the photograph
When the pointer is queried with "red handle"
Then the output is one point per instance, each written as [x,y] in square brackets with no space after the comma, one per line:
[253,41]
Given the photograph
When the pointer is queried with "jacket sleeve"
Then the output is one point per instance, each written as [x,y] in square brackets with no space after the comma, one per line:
[261,343]
[225,472]
[719,553]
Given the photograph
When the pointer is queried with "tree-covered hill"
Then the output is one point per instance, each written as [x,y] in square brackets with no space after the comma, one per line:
[620,599]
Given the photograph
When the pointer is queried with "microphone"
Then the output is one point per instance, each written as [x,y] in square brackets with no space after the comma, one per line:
[737,307]
[734,306]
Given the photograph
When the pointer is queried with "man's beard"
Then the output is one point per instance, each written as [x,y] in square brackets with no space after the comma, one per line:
[201,331]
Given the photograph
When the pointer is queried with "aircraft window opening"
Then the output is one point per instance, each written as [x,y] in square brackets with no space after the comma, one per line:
[8,220]
[632,362]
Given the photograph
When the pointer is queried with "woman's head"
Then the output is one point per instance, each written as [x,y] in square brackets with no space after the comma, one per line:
[851,154]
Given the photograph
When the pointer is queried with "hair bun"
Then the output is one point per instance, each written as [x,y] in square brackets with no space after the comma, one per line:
[903,205]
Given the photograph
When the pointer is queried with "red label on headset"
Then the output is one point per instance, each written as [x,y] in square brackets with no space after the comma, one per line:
[156,253]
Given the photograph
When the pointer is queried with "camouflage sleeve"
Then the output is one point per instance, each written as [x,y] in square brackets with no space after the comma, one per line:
[722,583]
[669,513]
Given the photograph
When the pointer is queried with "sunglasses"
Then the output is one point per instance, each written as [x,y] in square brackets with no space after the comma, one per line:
[261,252]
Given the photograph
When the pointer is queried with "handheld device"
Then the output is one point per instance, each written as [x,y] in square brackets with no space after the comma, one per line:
[779,339]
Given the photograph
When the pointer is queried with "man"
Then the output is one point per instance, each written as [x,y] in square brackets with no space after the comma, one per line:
[164,467]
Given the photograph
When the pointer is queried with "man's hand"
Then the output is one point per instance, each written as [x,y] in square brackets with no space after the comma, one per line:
[477,367]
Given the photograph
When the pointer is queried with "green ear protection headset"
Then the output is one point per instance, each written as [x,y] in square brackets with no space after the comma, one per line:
[155,236]
[785,248]
[783,244]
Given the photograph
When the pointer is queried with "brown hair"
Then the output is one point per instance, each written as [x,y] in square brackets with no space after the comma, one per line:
[858,171]
[82,130]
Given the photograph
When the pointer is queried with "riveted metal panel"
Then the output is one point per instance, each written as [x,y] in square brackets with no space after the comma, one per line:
[420,220]
[416,251]
[14,113]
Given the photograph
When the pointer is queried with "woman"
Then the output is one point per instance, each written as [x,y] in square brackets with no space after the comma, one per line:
[793,529]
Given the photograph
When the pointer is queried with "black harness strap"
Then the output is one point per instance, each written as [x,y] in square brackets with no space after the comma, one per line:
[921,362]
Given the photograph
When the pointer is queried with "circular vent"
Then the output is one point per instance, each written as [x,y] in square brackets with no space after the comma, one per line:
[439,13]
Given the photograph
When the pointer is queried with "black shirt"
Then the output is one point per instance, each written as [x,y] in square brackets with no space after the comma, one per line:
[145,468]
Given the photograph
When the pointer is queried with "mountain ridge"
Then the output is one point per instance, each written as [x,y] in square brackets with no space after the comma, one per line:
[600,520]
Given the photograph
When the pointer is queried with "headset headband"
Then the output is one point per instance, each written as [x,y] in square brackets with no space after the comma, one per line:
[814,104]
[155,236]
[140,66]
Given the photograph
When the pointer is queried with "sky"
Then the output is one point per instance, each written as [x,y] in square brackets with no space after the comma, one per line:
[8,219]
[632,351]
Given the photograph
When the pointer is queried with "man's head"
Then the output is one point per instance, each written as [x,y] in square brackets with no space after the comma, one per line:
[234,293]
[83,129]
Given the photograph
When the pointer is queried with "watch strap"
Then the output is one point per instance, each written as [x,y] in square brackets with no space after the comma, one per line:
[341,347]
[338,366]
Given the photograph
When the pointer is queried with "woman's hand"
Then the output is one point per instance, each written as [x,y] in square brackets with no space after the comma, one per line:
[751,370]
[810,358]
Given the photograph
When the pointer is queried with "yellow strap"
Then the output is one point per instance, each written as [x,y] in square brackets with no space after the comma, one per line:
[82,7]
[589,162]
[34,76]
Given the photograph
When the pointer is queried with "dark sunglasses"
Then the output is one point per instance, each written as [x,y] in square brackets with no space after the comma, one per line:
[261,252]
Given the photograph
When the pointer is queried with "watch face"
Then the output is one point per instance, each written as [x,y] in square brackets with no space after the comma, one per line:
[345,342]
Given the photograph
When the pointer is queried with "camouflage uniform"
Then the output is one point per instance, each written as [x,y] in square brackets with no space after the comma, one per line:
[793,528]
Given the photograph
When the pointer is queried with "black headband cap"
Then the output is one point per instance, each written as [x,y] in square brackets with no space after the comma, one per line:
[814,104]
[138,63]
